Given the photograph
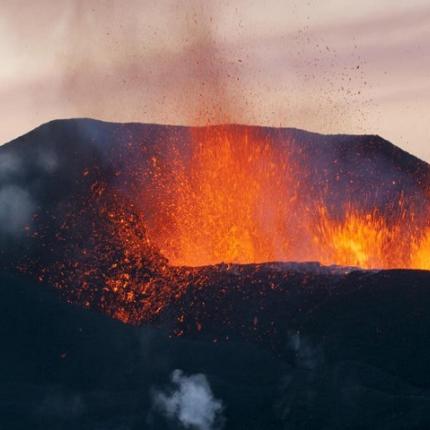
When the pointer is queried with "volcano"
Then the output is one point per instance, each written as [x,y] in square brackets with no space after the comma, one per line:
[288,266]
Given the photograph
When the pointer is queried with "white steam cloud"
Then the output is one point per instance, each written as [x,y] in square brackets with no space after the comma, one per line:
[10,165]
[16,207]
[191,402]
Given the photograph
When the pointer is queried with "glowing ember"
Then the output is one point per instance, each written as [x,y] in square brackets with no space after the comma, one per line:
[231,203]
[232,196]
[420,258]
[370,241]
[361,240]
[238,199]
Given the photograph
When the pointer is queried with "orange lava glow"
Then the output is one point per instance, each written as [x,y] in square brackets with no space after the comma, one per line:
[210,232]
[232,205]
[233,197]
[369,241]
[420,256]
[239,199]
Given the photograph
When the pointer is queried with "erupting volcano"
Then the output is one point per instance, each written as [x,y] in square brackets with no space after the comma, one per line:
[252,242]
[127,222]
[240,197]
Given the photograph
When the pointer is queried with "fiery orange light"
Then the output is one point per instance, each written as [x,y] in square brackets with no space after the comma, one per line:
[360,239]
[370,241]
[235,197]
[238,199]
[231,202]
[420,258]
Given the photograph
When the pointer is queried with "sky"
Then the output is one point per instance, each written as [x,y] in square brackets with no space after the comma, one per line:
[333,66]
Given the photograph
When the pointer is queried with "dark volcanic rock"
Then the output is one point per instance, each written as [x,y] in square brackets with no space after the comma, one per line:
[356,358]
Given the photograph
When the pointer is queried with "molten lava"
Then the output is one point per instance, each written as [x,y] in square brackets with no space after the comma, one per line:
[231,196]
[231,202]
[238,198]
[420,258]
[368,240]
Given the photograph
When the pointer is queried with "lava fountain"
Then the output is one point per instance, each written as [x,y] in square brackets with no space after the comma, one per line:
[231,194]
[230,202]
[239,198]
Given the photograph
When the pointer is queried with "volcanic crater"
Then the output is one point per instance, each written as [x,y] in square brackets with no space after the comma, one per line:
[157,223]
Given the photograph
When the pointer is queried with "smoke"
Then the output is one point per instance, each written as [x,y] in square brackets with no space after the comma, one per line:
[61,405]
[301,386]
[191,402]
[307,355]
[47,161]
[10,165]
[18,189]
[16,208]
